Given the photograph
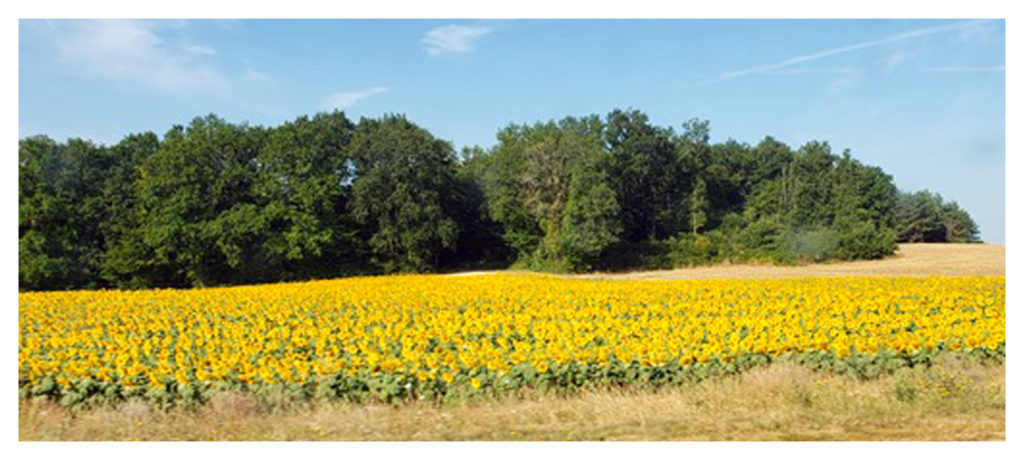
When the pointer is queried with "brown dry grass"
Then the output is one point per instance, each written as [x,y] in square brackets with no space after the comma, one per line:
[918,259]
[952,401]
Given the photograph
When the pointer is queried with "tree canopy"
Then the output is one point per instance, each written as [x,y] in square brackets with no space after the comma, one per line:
[217,203]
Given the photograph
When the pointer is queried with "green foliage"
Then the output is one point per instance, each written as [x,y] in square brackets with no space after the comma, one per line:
[655,254]
[862,239]
[767,234]
[698,206]
[198,221]
[480,243]
[590,221]
[215,203]
[689,249]
[810,245]
[919,217]
[124,262]
[549,189]
[642,163]
[403,193]
[960,228]
[61,209]
[301,188]
[924,217]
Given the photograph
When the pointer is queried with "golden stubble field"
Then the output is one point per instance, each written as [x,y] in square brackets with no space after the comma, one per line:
[914,259]
[952,400]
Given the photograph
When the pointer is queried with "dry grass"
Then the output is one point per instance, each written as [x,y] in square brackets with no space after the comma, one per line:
[952,401]
[917,259]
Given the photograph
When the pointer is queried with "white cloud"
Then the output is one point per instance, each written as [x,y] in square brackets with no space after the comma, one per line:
[995,68]
[348,99]
[200,50]
[959,26]
[133,52]
[453,39]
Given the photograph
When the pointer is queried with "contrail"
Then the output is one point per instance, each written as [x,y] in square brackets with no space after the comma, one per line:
[850,48]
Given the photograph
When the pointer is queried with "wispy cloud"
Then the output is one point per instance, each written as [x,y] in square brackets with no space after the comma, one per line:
[453,39]
[348,99]
[762,69]
[982,32]
[253,74]
[816,71]
[133,52]
[200,50]
[893,60]
[257,76]
[995,68]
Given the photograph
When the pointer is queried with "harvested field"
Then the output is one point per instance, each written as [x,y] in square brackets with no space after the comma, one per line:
[916,259]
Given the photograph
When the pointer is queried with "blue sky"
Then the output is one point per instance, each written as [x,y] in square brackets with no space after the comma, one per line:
[923,99]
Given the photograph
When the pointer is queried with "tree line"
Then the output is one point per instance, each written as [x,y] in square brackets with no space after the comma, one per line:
[216,203]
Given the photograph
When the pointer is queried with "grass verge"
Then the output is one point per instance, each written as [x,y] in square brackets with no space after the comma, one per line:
[955,399]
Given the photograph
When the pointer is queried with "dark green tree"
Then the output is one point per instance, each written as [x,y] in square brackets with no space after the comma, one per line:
[200,223]
[698,206]
[501,173]
[480,242]
[217,203]
[60,213]
[643,167]
[918,218]
[124,261]
[591,218]
[302,185]
[960,228]
[549,189]
[404,193]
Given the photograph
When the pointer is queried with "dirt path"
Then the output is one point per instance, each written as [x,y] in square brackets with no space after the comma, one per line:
[917,259]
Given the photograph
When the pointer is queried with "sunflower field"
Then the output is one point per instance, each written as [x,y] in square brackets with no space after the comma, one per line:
[394,338]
